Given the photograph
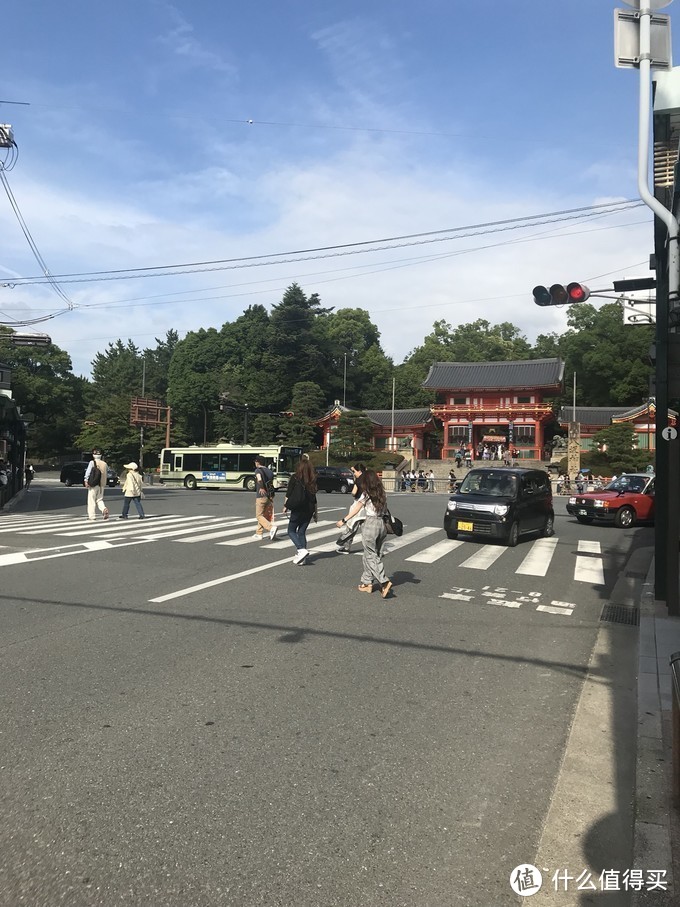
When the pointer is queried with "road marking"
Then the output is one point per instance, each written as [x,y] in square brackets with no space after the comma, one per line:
[434,552]
[484,558]
[588,547]
[43,554]
[538,560]
[393,543]
[85,527]
[457,596]
[589,570]
[556,607]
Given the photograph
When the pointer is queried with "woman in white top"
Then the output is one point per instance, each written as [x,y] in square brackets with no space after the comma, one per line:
[132,489]
[373,502]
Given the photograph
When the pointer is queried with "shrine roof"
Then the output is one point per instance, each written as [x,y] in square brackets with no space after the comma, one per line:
[519,374]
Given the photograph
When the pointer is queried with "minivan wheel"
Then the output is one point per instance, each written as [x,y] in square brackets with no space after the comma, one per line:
[68,483]
[190,482]
[549,527]
[513,535]
[625,517]
[344,488]
[451,534]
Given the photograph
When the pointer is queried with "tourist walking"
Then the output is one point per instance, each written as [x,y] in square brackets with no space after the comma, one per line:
[373,502]
[264,501]
[351,527]
[95,482]
[132,489]
[301,502]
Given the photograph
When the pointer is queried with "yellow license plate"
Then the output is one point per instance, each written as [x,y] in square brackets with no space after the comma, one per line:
[465,527]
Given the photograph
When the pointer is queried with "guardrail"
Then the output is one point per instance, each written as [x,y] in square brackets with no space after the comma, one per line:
[675,673]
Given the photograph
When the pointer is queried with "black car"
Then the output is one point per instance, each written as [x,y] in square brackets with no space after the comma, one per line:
[74,474]
[334,478]
[502,503]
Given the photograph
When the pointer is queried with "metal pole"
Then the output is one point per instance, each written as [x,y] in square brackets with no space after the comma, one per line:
[344,384]
[393,439]
[141,427]
[573,409]
[666,544]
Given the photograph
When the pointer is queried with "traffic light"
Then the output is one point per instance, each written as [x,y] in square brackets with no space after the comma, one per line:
[561,295]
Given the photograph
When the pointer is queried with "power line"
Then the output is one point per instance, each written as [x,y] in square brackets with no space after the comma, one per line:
[340,250]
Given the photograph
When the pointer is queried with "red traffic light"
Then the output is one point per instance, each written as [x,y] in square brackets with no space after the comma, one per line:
[560,295]
[577,292]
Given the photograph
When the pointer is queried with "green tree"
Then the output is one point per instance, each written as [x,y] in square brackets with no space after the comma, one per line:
[307,405]
[610,359]
[618,449]
[194,385]
[353,435]
[43,384]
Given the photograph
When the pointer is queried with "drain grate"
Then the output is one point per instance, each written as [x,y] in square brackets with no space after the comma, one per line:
[621,614]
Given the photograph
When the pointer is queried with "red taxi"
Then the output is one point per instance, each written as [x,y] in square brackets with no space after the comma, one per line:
[627,500]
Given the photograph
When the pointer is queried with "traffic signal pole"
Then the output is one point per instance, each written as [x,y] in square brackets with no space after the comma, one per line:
[667,560]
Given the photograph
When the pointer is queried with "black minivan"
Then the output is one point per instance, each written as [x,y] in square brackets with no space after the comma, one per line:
[501,503]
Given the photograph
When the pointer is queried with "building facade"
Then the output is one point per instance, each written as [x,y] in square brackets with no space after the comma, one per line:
[642,421]
[497,403]
[414,430]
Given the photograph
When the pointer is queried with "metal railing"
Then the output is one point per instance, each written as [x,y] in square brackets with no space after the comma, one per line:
[675,674]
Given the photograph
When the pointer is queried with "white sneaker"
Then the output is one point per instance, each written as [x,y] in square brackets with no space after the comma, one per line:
[256,537]
[300,556]
[272,532]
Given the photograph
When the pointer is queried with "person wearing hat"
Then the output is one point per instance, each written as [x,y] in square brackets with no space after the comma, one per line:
[132,489]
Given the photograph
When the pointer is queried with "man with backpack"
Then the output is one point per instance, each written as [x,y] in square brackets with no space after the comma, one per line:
[95,481]
[264,501]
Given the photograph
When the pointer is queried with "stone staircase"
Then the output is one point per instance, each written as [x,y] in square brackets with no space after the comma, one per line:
[441,467]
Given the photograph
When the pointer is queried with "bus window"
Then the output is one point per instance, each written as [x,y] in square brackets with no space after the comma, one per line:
[167,457]
[178,462]
[192,462]
[210,462]
[229,462]
[246,463]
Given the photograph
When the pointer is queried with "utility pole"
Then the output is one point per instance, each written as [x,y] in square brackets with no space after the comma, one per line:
[652,34]
[141,427]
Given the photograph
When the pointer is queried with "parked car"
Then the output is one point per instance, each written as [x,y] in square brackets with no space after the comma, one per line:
[74,474]
[501,503]
[334,478]
[627,500]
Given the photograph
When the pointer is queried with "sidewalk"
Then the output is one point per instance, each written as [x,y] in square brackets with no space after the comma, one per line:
[657,821]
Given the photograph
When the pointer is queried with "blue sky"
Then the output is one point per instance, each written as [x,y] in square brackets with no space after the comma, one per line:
[370,119]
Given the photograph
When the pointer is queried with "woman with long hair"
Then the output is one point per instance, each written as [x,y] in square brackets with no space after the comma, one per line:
[373,502]
[301,502]
[350,529]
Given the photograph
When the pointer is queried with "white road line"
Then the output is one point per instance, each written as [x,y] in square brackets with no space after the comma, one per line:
[311,536]
[162,534]
[538,559]
[589,570]
[43,525]
[551,609]
[135,526]
[408,538]
[434,552]
[484,558]
[85,527]
[227,579]
[456,596]
[275,545]
[29,557]
[589,547]
[206,537]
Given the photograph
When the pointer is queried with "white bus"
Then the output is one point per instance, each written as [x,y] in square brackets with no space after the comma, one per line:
[225,465]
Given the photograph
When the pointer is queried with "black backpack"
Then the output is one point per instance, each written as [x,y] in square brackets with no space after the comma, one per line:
[95,477]
[268,481]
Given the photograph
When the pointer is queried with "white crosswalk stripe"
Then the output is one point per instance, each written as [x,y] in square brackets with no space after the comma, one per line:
[234,531]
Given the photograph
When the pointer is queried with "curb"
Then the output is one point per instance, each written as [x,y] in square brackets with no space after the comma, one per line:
[652,828]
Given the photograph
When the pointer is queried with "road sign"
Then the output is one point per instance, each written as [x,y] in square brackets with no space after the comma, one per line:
[627,40]
[669,433]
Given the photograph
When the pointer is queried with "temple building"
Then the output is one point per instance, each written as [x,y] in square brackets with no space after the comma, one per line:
[415,435]
[641,418]
[501,403]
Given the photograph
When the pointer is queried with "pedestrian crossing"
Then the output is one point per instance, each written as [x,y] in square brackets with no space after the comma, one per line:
[76,535]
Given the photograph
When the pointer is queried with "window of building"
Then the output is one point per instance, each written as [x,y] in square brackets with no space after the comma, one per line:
[460,401]
[525,399]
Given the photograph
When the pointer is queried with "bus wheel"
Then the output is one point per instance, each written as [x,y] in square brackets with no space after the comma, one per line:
[190,482]
[249,484]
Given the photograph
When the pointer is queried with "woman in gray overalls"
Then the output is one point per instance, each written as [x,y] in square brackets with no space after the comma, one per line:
[373,502]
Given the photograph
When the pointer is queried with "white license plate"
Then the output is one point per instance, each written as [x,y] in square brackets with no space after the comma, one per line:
[583,513]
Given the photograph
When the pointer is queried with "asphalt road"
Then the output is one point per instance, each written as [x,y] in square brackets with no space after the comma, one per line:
[190,720]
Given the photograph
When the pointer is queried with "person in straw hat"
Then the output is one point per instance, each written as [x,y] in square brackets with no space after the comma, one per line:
[132,489]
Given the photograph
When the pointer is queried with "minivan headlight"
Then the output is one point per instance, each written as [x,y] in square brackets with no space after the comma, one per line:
[501,509]
[451,505]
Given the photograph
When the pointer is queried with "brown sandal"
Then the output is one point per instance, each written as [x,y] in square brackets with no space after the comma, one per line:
[366,588]
[385,590]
